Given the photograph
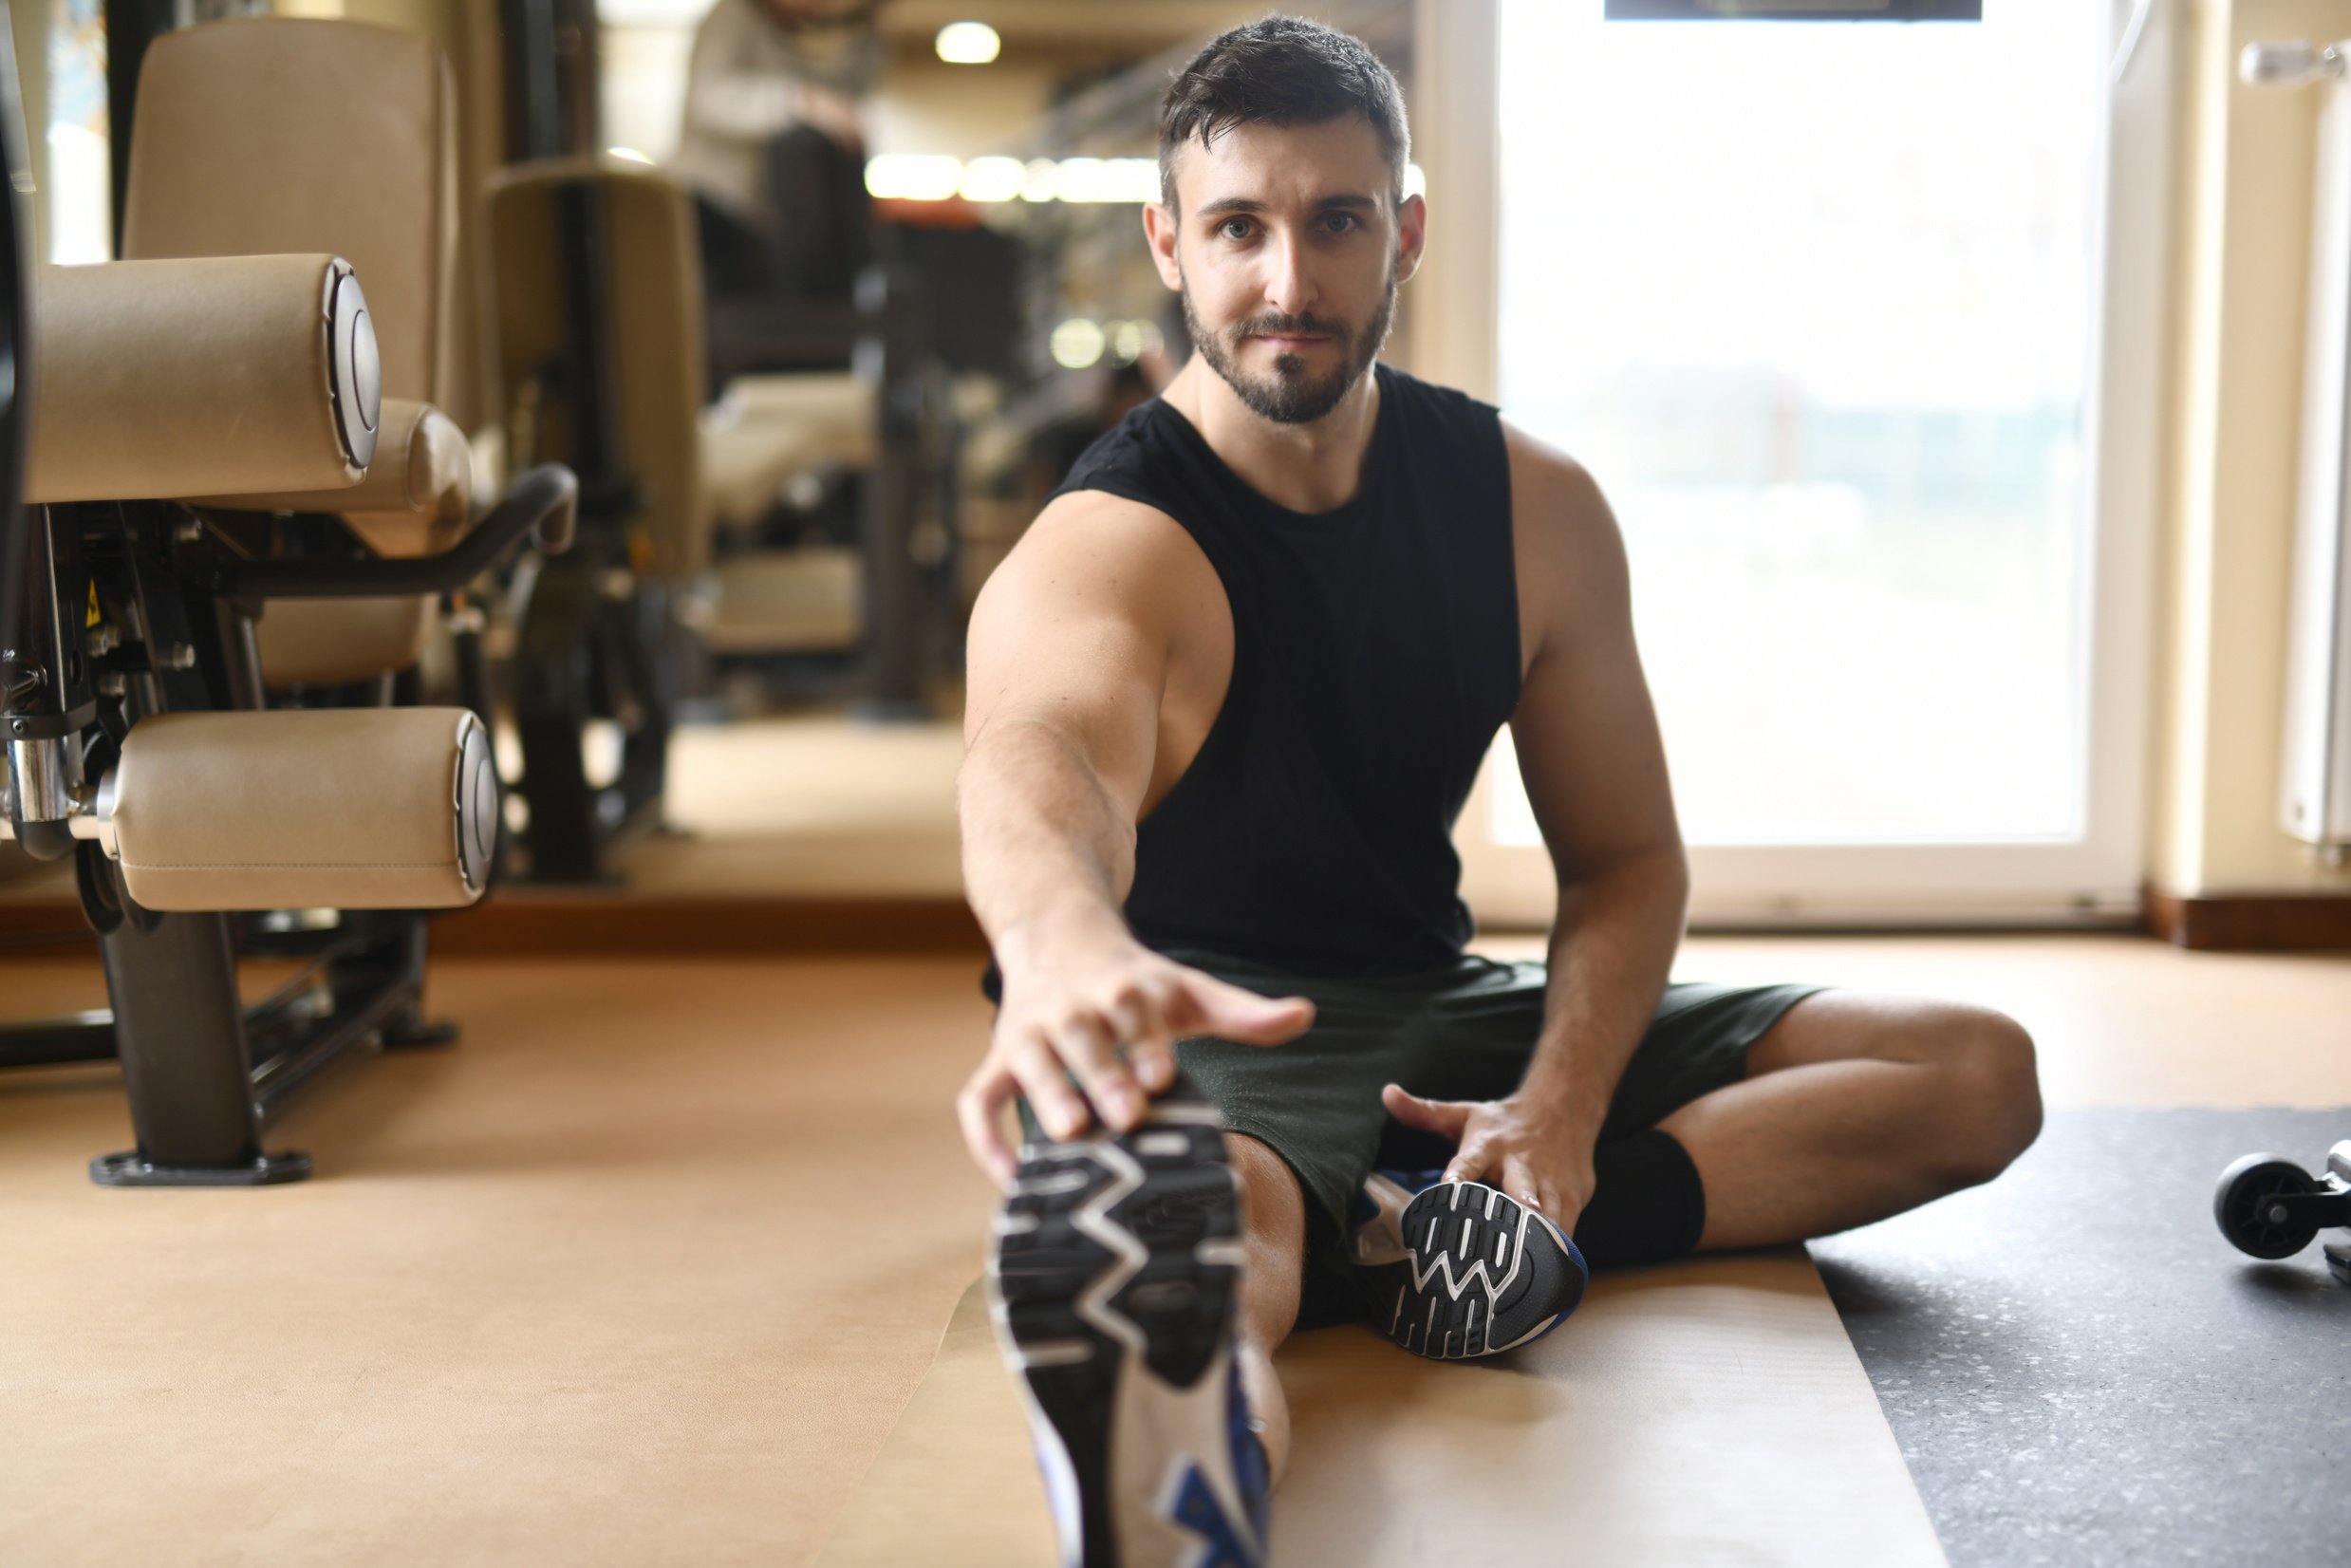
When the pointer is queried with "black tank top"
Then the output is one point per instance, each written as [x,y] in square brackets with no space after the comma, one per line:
[1375,652]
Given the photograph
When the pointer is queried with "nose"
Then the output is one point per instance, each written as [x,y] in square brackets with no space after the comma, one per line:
[1290,288]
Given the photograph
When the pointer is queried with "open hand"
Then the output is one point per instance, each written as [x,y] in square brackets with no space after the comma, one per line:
[1108,1013]
[1508,1144]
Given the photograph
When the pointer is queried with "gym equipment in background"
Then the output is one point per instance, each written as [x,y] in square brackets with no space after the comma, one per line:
[204,436]
[2271,1207]
[598,301]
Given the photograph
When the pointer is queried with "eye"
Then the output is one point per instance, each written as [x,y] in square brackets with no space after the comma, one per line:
[1341,222]
[1234,228]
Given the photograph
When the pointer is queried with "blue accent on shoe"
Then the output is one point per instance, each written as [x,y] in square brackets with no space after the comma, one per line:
[1197,1510]
[1252,1475]
[1583,1272]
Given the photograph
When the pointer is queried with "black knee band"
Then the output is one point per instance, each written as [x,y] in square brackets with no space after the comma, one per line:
[1646,1203]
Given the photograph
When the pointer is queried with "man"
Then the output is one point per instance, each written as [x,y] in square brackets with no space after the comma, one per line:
[771,144]
[1226,698]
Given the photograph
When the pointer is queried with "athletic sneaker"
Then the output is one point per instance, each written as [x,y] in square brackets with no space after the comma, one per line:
[1457,1269]
[1114,1287]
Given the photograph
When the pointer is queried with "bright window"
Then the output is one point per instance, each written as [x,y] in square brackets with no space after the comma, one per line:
[1816,305]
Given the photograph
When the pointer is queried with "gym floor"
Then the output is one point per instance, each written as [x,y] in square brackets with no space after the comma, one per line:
[644,1268]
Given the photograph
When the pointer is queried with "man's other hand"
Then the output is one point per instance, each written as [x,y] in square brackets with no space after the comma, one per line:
[1110,1017]
[1508,1144]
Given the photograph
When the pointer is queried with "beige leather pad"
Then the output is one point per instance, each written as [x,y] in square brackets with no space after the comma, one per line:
[414,491]
[1712,1412]
[346,808]
[158,379]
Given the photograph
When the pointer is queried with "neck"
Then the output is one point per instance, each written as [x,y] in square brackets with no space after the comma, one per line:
[1310,467]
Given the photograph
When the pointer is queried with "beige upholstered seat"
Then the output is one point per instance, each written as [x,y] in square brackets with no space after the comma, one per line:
[693,467]
[286,135]
[765,429]
[273,134]
[657,371]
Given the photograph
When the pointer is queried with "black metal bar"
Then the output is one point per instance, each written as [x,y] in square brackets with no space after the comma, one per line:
[564,833]
[533,110]
[15,375]
[583,272]
[290,1069]
[579,59]
[890,300]
[180,1028]
[131,26]
[266,1011]
[52,1043]
[544,501]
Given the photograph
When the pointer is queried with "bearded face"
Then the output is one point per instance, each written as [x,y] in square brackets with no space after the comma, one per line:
[1287,244]
[1294,385]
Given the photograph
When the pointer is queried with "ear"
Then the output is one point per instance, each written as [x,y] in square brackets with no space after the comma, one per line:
[1411,235]
[1159,228]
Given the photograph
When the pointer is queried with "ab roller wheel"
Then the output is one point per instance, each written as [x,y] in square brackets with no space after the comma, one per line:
[2271,1207]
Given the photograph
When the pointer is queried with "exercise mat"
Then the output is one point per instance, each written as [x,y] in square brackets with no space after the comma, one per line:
[1710,1413]
[2085,1375]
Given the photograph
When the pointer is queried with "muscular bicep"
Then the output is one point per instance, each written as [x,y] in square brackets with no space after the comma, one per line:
[1070,632]
[1585,730]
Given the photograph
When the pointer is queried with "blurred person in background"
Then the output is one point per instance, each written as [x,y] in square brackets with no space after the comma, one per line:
[773,147]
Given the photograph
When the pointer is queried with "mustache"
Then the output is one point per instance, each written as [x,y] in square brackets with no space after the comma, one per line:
[1263,326]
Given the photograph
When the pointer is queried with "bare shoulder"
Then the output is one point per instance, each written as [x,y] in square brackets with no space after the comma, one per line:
[1100,594]
[1092,552]
[1555,493]
[1093,531]
[1571,555]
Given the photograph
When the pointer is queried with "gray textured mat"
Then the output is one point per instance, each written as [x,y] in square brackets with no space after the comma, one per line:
[2080,1371]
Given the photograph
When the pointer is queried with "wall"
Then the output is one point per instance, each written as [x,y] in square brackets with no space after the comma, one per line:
[2240,276]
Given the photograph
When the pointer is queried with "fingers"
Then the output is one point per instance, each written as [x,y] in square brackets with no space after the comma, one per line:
[1518,1182]
[1045,1084]
[1209,1006]
[978,1109]
[1445,1118]
[1088,1047]
[1120,1049]
[1139,1017]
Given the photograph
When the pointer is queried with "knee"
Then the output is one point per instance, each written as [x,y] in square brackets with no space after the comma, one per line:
[1991,1111]
[1273,1207]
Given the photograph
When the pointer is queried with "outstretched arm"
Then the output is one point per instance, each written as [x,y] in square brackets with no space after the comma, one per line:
[1067,654]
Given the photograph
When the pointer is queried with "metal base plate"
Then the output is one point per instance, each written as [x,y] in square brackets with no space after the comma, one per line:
[399,1037]
[129,1169]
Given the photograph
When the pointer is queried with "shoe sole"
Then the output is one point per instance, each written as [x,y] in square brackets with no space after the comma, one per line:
[1113,1286]
[1477,1260]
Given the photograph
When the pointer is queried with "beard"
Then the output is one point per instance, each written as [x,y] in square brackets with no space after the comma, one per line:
[1291,394]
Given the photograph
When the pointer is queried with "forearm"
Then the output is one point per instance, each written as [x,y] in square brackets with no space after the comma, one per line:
[1611,948]
[1048,852]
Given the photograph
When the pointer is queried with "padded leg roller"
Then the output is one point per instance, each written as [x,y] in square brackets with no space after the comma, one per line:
[346,809]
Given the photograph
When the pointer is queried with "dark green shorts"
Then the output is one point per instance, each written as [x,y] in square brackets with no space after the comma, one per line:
[1465,1032]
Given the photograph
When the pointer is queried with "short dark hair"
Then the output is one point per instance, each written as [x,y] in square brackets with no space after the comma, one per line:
[1283,70]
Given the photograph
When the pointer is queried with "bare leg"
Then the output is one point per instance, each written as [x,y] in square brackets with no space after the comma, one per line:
[1273,1218]
[1856,1107]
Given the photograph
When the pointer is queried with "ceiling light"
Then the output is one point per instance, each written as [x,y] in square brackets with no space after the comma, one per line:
[1077,344]
[969,44]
